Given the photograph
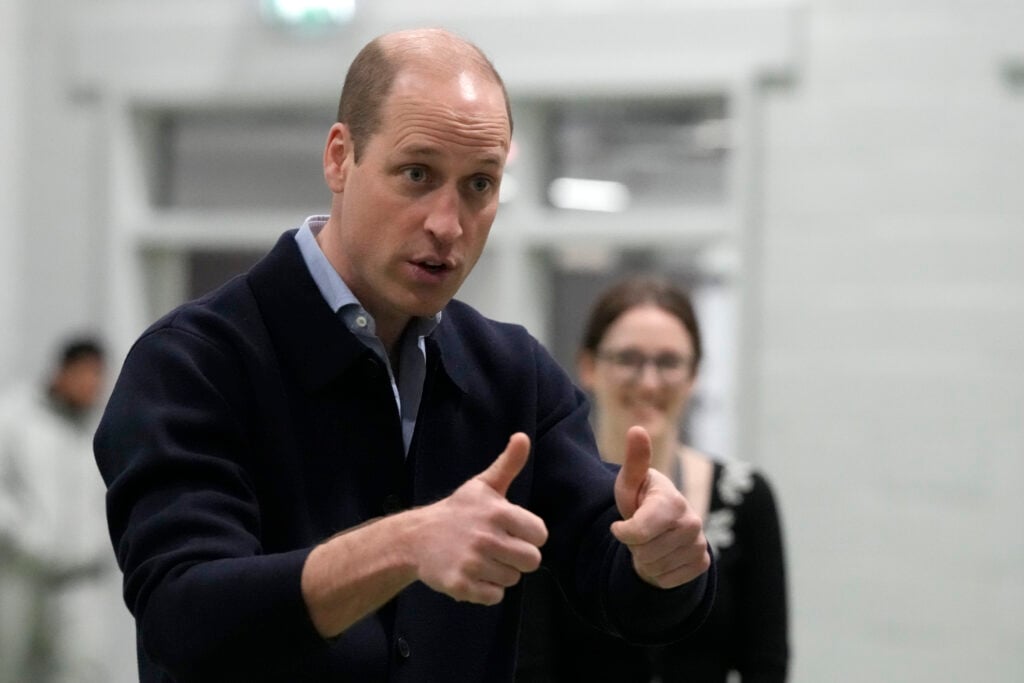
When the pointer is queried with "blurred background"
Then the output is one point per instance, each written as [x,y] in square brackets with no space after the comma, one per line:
[840,182]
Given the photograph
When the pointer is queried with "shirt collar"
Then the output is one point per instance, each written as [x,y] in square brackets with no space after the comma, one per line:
[337,294]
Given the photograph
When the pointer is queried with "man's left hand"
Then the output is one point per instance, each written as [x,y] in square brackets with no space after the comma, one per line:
[660,528]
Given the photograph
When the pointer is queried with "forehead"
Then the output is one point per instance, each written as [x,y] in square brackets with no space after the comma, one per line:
[461,108]
[648,327]
[85,362]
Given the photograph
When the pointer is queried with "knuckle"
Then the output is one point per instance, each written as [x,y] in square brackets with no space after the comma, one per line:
[528,559]
[479,541]
[459,588]
[472,566]
[532,563]
[493,597]
[512,578]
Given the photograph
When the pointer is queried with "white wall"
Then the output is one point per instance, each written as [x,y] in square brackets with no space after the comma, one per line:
[50,201]
[883,340]
[11,122]
[891,407]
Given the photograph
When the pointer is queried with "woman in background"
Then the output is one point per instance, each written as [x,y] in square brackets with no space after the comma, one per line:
[640,355]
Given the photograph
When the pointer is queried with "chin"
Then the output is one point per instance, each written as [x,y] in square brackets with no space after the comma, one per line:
[425,307]
[655,426]
[655,431]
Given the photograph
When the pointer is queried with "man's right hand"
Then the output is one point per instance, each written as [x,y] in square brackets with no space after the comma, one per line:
[474,544]
[471,546]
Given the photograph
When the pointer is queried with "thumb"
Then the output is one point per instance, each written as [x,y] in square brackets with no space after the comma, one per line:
[629,483]
[508,465]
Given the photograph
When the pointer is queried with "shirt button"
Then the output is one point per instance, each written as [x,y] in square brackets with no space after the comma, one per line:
[361,320]
[402,645]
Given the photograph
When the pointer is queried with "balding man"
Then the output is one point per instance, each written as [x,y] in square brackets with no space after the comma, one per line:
[328,469]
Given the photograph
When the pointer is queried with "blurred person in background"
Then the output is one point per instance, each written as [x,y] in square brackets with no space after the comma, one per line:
[62,617]
[641,350]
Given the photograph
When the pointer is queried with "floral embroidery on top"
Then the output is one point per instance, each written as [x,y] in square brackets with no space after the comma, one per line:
[718,528]
[737,479]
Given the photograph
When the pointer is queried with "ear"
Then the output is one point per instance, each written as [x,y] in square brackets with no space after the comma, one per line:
[585,368]
[338,154]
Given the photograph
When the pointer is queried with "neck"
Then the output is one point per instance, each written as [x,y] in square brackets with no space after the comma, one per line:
[664,453]
[390,333]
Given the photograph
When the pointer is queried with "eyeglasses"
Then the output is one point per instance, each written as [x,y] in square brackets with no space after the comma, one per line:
[628,365]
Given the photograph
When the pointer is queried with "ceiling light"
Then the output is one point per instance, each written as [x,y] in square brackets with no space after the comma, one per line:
[588,195]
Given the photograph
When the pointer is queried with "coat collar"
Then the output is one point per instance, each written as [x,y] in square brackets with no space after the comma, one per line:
[310,339]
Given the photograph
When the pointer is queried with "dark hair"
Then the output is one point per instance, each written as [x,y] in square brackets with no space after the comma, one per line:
[373,72]
[77,348]
[636,291]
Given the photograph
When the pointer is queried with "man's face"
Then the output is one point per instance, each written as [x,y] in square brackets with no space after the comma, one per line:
[80,382]
[414,213]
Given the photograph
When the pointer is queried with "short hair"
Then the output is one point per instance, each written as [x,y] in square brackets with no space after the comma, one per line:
[372,74]
[77,348]
[638,291]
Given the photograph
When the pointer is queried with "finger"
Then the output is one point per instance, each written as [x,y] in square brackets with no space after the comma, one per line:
[516,554]
[523,524]
[631,478]
[479,592]
[496,573]
[508,465]
[681,573]
[630,532]
[670,549]
[655,523]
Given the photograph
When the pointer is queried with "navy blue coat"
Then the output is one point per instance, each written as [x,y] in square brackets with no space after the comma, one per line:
[250,425]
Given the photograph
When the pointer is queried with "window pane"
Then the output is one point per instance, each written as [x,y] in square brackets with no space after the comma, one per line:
[638,153]
[242,159]
[208,269]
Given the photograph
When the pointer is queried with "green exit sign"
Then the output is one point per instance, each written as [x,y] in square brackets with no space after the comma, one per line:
[309,12]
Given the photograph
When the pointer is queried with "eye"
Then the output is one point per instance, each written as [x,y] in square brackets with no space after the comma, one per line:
[670,361]
[416,174]
[480,184]
[629,358]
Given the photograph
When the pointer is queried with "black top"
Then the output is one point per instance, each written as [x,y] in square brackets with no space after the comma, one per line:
[747,628]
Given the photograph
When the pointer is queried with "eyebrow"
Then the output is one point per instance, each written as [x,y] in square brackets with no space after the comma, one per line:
[429,151]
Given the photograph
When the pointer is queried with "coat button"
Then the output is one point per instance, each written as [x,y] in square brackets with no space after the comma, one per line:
[402,645]
[392,504]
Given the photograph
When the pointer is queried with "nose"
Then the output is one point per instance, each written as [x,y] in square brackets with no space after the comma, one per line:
[442,220]
[649,375]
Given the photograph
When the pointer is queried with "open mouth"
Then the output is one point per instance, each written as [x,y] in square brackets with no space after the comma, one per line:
[432,266]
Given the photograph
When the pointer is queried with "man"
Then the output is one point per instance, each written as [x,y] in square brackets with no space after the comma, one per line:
[329,470]
[61,605]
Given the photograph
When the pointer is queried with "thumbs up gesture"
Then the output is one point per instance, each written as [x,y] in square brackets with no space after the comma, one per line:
[663,533]
[474,544]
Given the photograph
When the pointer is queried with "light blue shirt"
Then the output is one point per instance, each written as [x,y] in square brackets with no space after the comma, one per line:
[412,370]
